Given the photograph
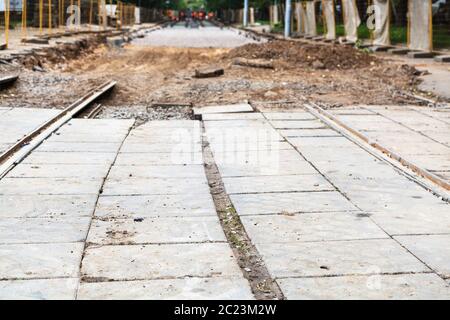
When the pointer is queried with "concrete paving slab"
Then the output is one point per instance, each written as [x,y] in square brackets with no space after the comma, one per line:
[256,157]
[289,116]
[421,286]
[241,124]
[161,186]
[413,221]
[308,133]
[232,108]
[179,139]
[170,124]
[309,227]
[59,171]
[220,288]
[232,116]
[442,58]
[69,158]
[32,206]
[194,147]
[160,261]
[232,139]
[153,230]
[294,124]
[50,260]
[266,168]
[39,289]
[172,158]
[249,146]
[327,258]
[99,147]
[311,182]
[290,202]
[321,142]
[178,171]
[395,201]
[433,250]
[179,205]
[43,230]
[53,186]
[92,137]
[5,146]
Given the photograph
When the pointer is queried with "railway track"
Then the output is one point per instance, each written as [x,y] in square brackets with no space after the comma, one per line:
[28,143]
[423,177]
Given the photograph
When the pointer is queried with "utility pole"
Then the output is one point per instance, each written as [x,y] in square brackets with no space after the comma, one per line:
[287,19]
[245,13]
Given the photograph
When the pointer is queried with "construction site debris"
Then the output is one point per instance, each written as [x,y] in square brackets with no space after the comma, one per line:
[254,63]
[209,72]
[293,54]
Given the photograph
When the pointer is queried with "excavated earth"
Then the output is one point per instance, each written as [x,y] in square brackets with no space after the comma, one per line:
[329,74]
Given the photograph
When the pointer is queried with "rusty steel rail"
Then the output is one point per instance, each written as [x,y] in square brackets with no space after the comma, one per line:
[23,147]
[338,125]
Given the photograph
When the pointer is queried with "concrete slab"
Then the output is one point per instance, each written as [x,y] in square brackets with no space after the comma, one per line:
[331,258]
[309,227]
[232,108]
[178,139]
[160,186]
[256,157]
[442,58]
[413,221]
[420,55]
[241,124]
[298,124]
[233,116]
[153,230]
[321,142]
[250,146]
[92,137]
[178,171]
[179,205]
[32,206]
[69,158]
[266,168]
[397,51]
[59,171]
[433,250]
[99,147]
[172,158]
[189,124]
[293,202]
[421,286]
[43,230]
[308,133]
[50,260]
[49,186]
[39,289]
[160,261]
[221,288]
[289,116]
[193,147]
[311,182]
[395,201]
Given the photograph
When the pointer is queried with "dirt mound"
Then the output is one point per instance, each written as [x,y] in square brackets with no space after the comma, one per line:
[62,52]
[296,54]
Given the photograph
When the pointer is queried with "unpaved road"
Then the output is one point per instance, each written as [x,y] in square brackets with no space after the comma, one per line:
[146,74]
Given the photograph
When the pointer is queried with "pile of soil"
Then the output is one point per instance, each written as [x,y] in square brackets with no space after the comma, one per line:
[300,55]
[62,53]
